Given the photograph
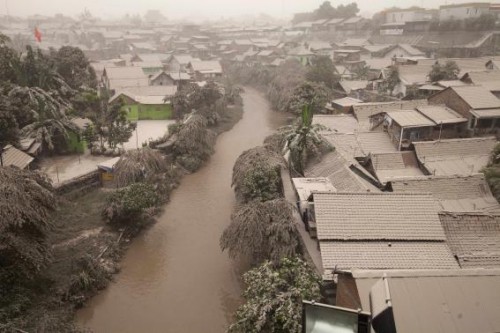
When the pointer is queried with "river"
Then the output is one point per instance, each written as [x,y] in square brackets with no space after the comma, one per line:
[174,277]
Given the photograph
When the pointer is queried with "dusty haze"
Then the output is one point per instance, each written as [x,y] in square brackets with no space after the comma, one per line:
[197,9]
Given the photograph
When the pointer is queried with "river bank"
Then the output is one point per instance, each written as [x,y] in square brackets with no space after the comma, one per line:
[174,276]
[86,255]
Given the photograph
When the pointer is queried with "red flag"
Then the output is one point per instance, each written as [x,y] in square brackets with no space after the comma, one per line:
[38,35]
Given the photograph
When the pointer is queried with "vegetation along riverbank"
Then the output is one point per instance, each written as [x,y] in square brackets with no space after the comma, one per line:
[79,241]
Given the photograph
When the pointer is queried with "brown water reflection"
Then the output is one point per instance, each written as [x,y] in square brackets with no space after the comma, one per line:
[174,276]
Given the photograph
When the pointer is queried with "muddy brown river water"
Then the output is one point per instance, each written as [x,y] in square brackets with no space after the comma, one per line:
[174,277]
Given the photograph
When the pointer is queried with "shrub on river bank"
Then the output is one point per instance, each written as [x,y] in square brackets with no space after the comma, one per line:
[262,231]
[130,205]
[273,297]
[257,175]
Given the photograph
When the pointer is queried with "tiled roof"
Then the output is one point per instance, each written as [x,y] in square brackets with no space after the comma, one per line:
[375,142]
[336,168]
[397,165]
[440,114]
[473,238]
[12,156]
[455,156]
[410,118]
[377,216]
[385,255]
[454,193]
[337,123]
[477,97]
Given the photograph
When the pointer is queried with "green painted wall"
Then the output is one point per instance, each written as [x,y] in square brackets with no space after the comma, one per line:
[148,112]
[75,143]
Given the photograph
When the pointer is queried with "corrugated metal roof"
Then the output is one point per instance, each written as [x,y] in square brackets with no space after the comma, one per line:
[441,114]
[477,97]
[364,111]
[457,288]
[350,85]
[12,156]
[474,238]
[377,216]
[486,113]
[459,304]
[385,255]
[410,118]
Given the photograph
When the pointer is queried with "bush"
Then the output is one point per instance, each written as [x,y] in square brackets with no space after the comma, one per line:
[128,205]
[257,175]
[262,231]
[273,297]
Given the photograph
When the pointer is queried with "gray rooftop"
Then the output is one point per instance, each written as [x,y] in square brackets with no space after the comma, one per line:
[377,216]
[453,193]
[474,238]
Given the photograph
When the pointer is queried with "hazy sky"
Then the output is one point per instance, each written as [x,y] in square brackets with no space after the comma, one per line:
[197,8]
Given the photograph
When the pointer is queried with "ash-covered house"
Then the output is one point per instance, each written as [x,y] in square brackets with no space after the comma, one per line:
[205,70]
[452,157]
[118,78]
[420,124]
[146,103]
[477,104]
[379,231]
[454,194]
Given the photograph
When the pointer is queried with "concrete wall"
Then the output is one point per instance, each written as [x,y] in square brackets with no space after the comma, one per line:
[462,12]
[78,186]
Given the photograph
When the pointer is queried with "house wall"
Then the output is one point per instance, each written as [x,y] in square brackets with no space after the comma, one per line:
[451,99]
[347,292]
[462,12]
[75,143]
[163,80]
[148,112]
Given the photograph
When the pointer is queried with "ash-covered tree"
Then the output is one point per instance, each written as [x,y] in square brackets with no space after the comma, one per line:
[262,231]
[129,205]
[492,172]
[74,67]
[273,297]
[9,129]
[303,141]
[289,75]
[26,201]
[194,143]
[316,95]
[109,121]
[448,71]
[391,80]
[257,175]
[322,71]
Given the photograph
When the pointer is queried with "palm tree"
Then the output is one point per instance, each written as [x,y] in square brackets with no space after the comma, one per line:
[303,141]
[49,117]
[26,201]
